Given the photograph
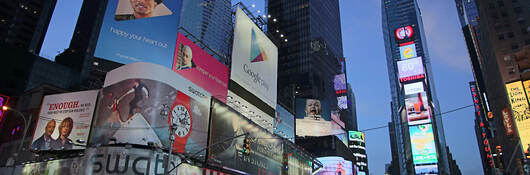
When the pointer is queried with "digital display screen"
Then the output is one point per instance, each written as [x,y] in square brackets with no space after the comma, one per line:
[335,165]
[413,88]
[410,67]
[418,108]
[407,51]
[422,144]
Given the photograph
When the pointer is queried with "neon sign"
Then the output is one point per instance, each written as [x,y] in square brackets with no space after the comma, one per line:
[404,32]
[3,101]
[483,125]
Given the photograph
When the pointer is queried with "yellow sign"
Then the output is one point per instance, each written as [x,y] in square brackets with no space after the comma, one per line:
[521,110]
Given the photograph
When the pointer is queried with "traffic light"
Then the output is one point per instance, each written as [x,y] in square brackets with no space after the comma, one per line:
[246,146]
[286,161]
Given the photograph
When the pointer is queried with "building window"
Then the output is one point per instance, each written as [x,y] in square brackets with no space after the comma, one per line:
[524,31]
[515,46]
[500,3]
[510,35]
[527,42]
[501,36]
[517,10]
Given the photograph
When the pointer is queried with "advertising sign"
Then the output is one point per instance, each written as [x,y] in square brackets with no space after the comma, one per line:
[521,111]
[64,119]
[250,111]
[418,109]
[404,32]
[284,123]
[356,136]
[339,83]
[342,102]
[426,169]
[407,51]
[413,88]
[335,165]
[3,102]
[199,67]
[508,121]
[61,166]
[410,68]
[265,149]
[298,161]
[138,31]
[139,101]
[313,118]
[254,60]
[423,146]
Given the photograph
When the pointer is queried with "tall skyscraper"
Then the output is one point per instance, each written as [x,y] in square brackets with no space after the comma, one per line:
[416,121]
[311,51]
[495,33]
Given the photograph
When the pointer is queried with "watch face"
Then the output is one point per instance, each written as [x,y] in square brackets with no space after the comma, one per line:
[181,118]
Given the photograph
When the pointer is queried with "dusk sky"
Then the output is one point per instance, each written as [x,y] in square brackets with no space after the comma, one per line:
[367,73]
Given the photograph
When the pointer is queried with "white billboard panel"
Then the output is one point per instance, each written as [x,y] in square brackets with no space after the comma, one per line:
[254,60]
[413,88]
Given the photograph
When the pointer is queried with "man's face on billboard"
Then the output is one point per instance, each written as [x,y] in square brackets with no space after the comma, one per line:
[312,107]
[143,8]
[50,127]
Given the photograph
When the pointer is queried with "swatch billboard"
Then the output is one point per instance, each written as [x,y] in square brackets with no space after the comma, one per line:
[254,60]
[410,69]
[335,165]
[422,144]
[521,110]
[64,120]
[139,31]
[140,100]
[199,67]
[265,149]
[418,108]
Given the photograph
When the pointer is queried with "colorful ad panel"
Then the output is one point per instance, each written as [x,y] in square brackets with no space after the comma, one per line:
[404,32]
[64,120]
[254,60]
[139,31]
[194,64]
[140,100]
[284,123]
[410,67]
[265,149]
[521,110]
[413,88]
[426,169]
[407,51]
[335,165]
[418,109]
[423,146]
[342,102]
[339,83]
[298,161]
[314,118]
[356,136]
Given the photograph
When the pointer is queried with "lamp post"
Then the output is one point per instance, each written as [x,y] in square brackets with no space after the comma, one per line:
[26,125]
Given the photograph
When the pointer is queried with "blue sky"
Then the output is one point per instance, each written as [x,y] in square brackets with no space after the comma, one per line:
[367,73]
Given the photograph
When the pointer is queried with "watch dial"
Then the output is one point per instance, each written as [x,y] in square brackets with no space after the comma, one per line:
[181,118]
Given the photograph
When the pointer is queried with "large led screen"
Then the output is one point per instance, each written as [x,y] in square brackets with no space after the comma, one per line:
[342,102]
[426,169]
[520,108]
[64,121]
[313,118]
[284,123]
[410,67]
[299,161]
[413,88]
[265,149]
[422,144]
[356,136]
[335,165]
[407,51]
[418,109]
[339,83]
[199,67]
[139,101]
[139,31]
[254,60]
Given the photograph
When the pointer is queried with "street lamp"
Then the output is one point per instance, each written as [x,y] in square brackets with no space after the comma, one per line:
[26,125]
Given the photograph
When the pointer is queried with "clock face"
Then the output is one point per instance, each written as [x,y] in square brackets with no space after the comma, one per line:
[181,118]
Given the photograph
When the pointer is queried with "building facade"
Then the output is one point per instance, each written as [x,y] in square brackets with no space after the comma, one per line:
[415,107]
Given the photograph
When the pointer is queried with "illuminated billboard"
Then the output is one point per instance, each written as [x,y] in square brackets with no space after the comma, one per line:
[418,109]
[410,69]
[250,111]
[254,60]
[426,169]
[342,102]
[284,123]
[298,161]
[314,118]
[194,64]
[356,136]
[339,83]
[265,149]
[422,144]
[137,31]
[407,51]
[335,165]
[404,32]
[520,108]
[64,120]
[139,101]
[413,88]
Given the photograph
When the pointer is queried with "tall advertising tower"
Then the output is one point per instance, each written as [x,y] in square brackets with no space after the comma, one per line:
[417,134]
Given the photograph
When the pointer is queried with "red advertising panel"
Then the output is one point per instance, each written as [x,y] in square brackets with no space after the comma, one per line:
[508,121]
[199,67]
[404,32]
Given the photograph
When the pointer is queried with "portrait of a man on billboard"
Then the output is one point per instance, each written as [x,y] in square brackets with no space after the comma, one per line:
[137,9]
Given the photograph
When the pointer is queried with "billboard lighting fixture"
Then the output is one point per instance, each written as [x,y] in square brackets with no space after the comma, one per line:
[259,11]
[268,16]
[281,35]
[277,31]
[253,5]
[274,19]
[285,40]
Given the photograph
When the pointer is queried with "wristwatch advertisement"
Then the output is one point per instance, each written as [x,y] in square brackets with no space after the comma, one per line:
[181,119]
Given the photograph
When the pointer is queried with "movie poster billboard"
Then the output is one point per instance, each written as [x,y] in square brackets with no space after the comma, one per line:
[199,67]
[422,144]
[410,67]
[335,165]
[64,121]
[407,51]
[265,149]
[418,108]
[521,110]
[140,100]
[254,60]
[139,31]
[284,123]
